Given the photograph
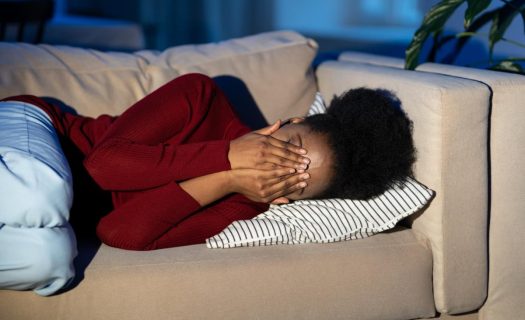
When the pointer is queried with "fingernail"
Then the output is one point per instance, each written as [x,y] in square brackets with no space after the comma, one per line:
[302,184]
[305,176]
[302,166]
[292,170]
[302,151]
[306,160]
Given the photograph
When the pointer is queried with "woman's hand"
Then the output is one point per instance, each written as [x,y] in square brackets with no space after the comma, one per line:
[259,150]
[267,185]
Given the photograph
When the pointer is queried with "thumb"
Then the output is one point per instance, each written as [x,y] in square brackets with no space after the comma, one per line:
[269,129]
[280,200]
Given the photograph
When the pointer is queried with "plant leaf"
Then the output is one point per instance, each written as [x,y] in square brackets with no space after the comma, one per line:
[436,39]
[502,20]
[508,66]
[477,24]
[433,22]
[473,9]
[523,17]
[438,43]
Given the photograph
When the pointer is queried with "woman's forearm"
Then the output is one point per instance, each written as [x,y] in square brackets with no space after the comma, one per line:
[119,164]
[208,188]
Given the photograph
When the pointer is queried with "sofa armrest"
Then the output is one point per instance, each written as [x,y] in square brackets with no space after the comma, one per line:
[450,118]
[506,282]
[507,188]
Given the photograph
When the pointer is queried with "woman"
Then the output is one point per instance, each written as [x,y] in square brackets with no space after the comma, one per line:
[181,166]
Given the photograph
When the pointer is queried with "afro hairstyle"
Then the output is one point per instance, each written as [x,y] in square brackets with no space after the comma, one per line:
[371,140]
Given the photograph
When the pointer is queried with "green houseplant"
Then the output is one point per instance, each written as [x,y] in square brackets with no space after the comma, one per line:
[476,16]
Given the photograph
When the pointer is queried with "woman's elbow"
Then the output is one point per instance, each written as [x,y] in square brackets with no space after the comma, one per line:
[101,167]
[98,176]
[117,237]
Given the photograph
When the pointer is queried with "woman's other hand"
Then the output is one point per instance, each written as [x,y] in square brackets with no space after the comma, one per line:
[259,150]
[267,185]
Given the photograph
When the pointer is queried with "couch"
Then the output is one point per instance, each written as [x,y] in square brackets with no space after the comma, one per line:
[435,264]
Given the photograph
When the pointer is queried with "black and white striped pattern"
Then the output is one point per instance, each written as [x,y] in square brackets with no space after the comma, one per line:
[318,106]
[324,221]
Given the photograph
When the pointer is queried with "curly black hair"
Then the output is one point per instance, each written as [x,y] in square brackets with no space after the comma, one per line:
[371,139]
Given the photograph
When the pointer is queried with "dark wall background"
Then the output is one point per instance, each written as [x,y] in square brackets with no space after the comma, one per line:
[375,26]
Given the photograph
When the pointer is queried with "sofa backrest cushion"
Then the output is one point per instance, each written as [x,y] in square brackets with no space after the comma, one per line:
[274,66]
[450,118]
[89,81]
[361,57]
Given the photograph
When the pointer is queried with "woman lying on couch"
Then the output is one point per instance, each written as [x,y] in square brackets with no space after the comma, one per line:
[180,166]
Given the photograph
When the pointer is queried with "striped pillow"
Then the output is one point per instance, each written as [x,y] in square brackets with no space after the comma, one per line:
[318,106]
[324,221]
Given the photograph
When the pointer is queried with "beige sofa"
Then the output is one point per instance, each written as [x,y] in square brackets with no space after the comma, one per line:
[434,264]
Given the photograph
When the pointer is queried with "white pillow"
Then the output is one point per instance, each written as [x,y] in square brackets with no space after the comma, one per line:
[324,221]
[36,188]
[318,106]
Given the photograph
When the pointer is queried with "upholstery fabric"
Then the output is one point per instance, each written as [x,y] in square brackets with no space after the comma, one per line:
[506,293]
[506,281]
[275,282]
[354,56]
[450,134]
[94,82]
[255,59]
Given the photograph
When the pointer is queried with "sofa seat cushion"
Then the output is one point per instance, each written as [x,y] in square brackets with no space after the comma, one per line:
[388,276]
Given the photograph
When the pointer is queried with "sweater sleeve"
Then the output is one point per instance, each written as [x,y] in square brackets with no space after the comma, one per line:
[143,225]
[208,222]
[136,223]
[180,131]
[121,164]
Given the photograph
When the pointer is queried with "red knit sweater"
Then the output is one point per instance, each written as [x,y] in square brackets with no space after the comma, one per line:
[180,131]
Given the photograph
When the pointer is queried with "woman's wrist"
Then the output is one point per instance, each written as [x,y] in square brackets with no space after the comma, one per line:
[229,181]
[209,188]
